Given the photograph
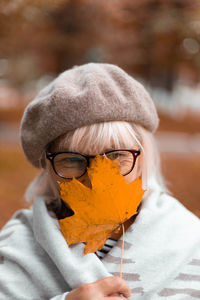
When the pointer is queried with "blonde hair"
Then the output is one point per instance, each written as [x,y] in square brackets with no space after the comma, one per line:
[94,139]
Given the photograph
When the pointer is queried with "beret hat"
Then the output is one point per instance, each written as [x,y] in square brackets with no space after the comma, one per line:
[84,95]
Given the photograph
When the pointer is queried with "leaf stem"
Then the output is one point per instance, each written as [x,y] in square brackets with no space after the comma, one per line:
[122,251]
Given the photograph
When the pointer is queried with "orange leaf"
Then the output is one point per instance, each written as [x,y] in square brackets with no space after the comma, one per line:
[100,210]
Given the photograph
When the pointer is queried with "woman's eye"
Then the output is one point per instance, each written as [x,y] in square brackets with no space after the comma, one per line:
[75,159]
[113,155]
[70,160]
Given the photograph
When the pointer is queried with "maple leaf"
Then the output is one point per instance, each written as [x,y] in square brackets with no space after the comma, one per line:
[99,210]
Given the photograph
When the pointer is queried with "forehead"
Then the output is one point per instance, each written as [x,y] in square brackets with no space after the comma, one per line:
[96,147]
[97,138]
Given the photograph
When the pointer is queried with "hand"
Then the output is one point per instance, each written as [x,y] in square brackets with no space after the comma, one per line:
[107,288]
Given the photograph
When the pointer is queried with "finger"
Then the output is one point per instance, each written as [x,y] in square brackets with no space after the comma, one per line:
[113,284]
[113,298]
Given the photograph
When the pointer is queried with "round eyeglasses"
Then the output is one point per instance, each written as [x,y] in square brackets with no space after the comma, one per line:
[71,165]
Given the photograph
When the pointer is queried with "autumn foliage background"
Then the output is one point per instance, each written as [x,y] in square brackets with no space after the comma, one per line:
[157,41]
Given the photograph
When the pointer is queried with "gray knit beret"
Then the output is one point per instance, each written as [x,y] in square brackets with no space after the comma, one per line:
[84,95]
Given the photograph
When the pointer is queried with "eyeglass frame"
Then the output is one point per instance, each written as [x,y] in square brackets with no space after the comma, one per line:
[51,155]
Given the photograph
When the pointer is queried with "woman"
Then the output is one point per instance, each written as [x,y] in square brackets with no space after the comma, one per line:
[89,110]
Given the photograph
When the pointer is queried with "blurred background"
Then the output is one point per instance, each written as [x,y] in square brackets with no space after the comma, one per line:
[156,41]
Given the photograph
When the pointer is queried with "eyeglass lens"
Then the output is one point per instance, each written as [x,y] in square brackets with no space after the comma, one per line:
[74,165]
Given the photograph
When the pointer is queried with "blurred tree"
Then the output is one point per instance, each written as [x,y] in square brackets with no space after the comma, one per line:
[38,39]
[158,40]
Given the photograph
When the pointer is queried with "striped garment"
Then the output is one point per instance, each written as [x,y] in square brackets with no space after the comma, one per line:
[161,259]
[106,248]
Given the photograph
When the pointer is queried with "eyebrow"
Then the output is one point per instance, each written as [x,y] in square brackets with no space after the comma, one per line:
[108,149]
